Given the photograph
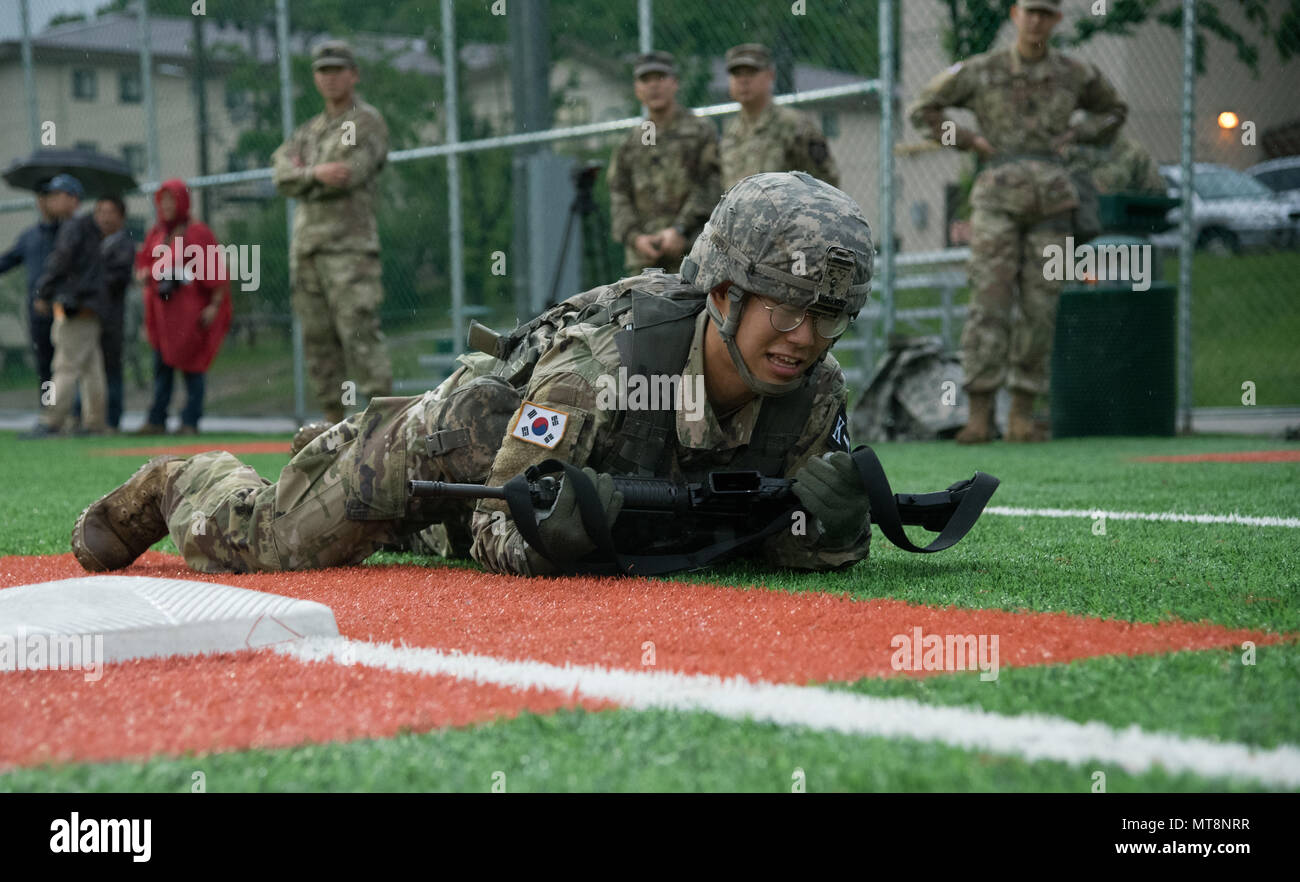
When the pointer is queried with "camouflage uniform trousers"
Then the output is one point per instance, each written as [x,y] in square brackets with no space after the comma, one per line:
[337,298]
[1006,260]
[344,495]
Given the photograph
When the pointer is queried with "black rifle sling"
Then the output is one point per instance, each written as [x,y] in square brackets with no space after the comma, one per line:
[884,504]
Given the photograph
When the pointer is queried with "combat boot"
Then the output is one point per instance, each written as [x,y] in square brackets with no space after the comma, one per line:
[1020,422]
[978,428]
[120,526]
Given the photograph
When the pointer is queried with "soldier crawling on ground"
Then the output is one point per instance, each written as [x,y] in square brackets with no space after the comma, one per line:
[746,314]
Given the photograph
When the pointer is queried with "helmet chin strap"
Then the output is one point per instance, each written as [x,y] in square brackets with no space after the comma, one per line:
[727,330]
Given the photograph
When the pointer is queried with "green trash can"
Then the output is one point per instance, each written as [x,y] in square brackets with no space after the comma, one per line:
[1114,356]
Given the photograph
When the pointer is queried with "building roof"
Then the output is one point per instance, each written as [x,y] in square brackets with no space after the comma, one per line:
[118,34]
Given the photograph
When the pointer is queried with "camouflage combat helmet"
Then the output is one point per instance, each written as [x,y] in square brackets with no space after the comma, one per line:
[790,238]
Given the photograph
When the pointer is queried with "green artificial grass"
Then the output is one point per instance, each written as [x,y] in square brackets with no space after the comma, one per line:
[1227,574]
[1206,694]
[610,751]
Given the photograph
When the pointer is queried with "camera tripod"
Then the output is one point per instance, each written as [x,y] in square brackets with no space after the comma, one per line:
[584,211]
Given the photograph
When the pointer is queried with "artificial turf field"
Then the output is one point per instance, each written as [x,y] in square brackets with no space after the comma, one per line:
[1139,624]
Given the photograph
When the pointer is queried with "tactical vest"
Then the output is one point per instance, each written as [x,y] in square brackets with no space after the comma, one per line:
[657,317]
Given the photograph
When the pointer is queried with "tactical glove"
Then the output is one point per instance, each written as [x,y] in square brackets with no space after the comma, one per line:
[561,528]
[832,492]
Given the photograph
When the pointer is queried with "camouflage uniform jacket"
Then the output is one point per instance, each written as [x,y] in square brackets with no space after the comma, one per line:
[566,379]
[1021,108]
[673,181]
[334,219]
[778,139]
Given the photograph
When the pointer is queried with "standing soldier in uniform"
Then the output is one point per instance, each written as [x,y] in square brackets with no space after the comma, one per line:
[331,165]
[1022,98]
[766,137]
[663,179]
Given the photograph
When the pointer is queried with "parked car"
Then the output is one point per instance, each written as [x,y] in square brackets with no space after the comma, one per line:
[1281,175]
[1231,211]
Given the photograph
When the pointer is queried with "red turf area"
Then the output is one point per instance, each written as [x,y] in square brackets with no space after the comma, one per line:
[1292,455]
[228,702]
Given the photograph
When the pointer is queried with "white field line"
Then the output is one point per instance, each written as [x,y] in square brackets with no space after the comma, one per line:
[1031,737]
[1094,513]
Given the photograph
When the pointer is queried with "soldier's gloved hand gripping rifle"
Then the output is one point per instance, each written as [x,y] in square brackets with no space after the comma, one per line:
[761,506]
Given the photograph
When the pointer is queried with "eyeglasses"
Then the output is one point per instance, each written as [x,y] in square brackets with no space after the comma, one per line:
[786,318]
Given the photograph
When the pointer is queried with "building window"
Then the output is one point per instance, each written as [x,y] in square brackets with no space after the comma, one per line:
[831,125]
[128,87]
[92,146]
[135,157]
[84,86]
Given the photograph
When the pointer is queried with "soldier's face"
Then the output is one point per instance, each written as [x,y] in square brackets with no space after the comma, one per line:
[1034,25]
[656,90]
[772,356]
[335,83]
[750,83]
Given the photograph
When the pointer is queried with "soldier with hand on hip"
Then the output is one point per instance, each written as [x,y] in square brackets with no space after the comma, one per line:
[1022,97]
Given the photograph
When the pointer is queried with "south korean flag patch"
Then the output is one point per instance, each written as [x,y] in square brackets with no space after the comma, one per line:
[539,425]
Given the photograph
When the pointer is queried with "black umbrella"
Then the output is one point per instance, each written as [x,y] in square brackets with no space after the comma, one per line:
[100,175]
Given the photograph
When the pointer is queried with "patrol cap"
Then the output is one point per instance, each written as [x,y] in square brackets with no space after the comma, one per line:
[332,53]
[655,62]
[1044,5]
[43,187]
[748,55]
[65,183]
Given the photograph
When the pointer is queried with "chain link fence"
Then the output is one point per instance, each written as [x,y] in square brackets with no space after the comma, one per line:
[1244,317]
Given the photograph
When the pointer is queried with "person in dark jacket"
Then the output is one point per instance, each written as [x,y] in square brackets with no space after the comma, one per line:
[72,287]
[30,249]
[118,252]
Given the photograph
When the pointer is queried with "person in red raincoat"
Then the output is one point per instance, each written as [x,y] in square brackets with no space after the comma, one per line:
[186,304]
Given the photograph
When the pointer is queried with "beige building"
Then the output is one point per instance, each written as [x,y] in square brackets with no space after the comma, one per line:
[88,84]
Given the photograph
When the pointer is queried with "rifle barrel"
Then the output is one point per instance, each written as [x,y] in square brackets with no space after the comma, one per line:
[455,491]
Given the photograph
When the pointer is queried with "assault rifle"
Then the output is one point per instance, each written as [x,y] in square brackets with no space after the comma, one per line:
[739,496]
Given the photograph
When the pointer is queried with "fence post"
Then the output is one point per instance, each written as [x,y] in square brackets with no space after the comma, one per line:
[286,129]
[29,78]
[1185,244]
[455,231]
[645,25]
[154,167]
[885,242]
